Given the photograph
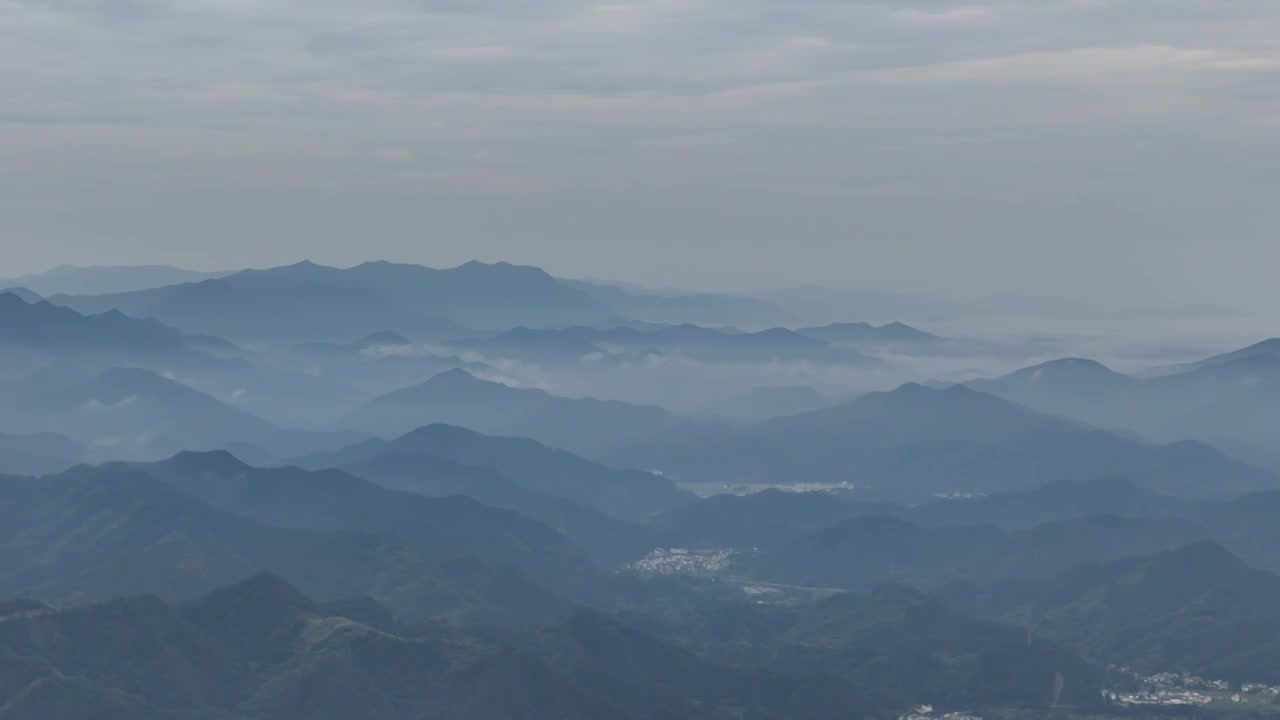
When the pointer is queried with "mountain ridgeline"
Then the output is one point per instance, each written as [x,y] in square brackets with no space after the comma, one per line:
[398,492]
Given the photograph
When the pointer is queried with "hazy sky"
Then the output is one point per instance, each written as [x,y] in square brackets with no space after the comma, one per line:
[1112,149]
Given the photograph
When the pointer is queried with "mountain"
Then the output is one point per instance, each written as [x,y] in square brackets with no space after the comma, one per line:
[1243,525]
[1234,404]
[498,295]
[679,306]
[552,345]
[576,344]
[1195,609]
[252,645]
[626,494]
[607,540]
[456,397]
[894,333]
[914,442]
[1051,502]
[301,302]
[26,295]
[333,500]
[47,327]
[134,412]
[866,551]
[262,650]
[92,535]
[899,646]
[771,344]
[767,518]
[312,302]
[1270,346]
[99,280]
[1070,387]
[38,454]
[388,340]
[1229,401]
[823,305]
[763,403]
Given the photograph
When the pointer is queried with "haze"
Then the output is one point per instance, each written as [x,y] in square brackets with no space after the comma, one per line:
[1119,152]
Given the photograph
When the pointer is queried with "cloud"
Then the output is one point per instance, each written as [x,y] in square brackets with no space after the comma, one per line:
[96,405]
[601,138]
[476,53]
[1083,63]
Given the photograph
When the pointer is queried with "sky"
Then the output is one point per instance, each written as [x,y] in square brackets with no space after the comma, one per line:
[1119,151]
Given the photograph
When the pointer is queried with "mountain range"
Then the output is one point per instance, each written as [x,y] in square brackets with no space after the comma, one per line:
[313,302]
[1229,400]
[624,494]
[1195,609]
[894,333]
[261,649]
[679,306]
[915,442]
[38,453]
[100,279]
[456,397]
[134,412]
[627,344]
[47,327]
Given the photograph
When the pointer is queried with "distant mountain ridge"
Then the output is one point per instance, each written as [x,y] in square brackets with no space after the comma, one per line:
[621,344]
[136,411]
[38,453]
[306,301]
[1231,400]
[626,494]
[894,333]
[916,441]
[1196,609]
[100,279]
[865,551]
[677,306]
[456,397]
[48,327]
[332,500]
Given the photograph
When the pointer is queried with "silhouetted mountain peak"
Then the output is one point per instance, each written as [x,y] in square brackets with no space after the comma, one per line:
[1072,368]
[503,270]
[437,432]
[216,461]
[10,300]
[1074,363]
[851,326]
[30,297]
[897,331]
[913,389]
